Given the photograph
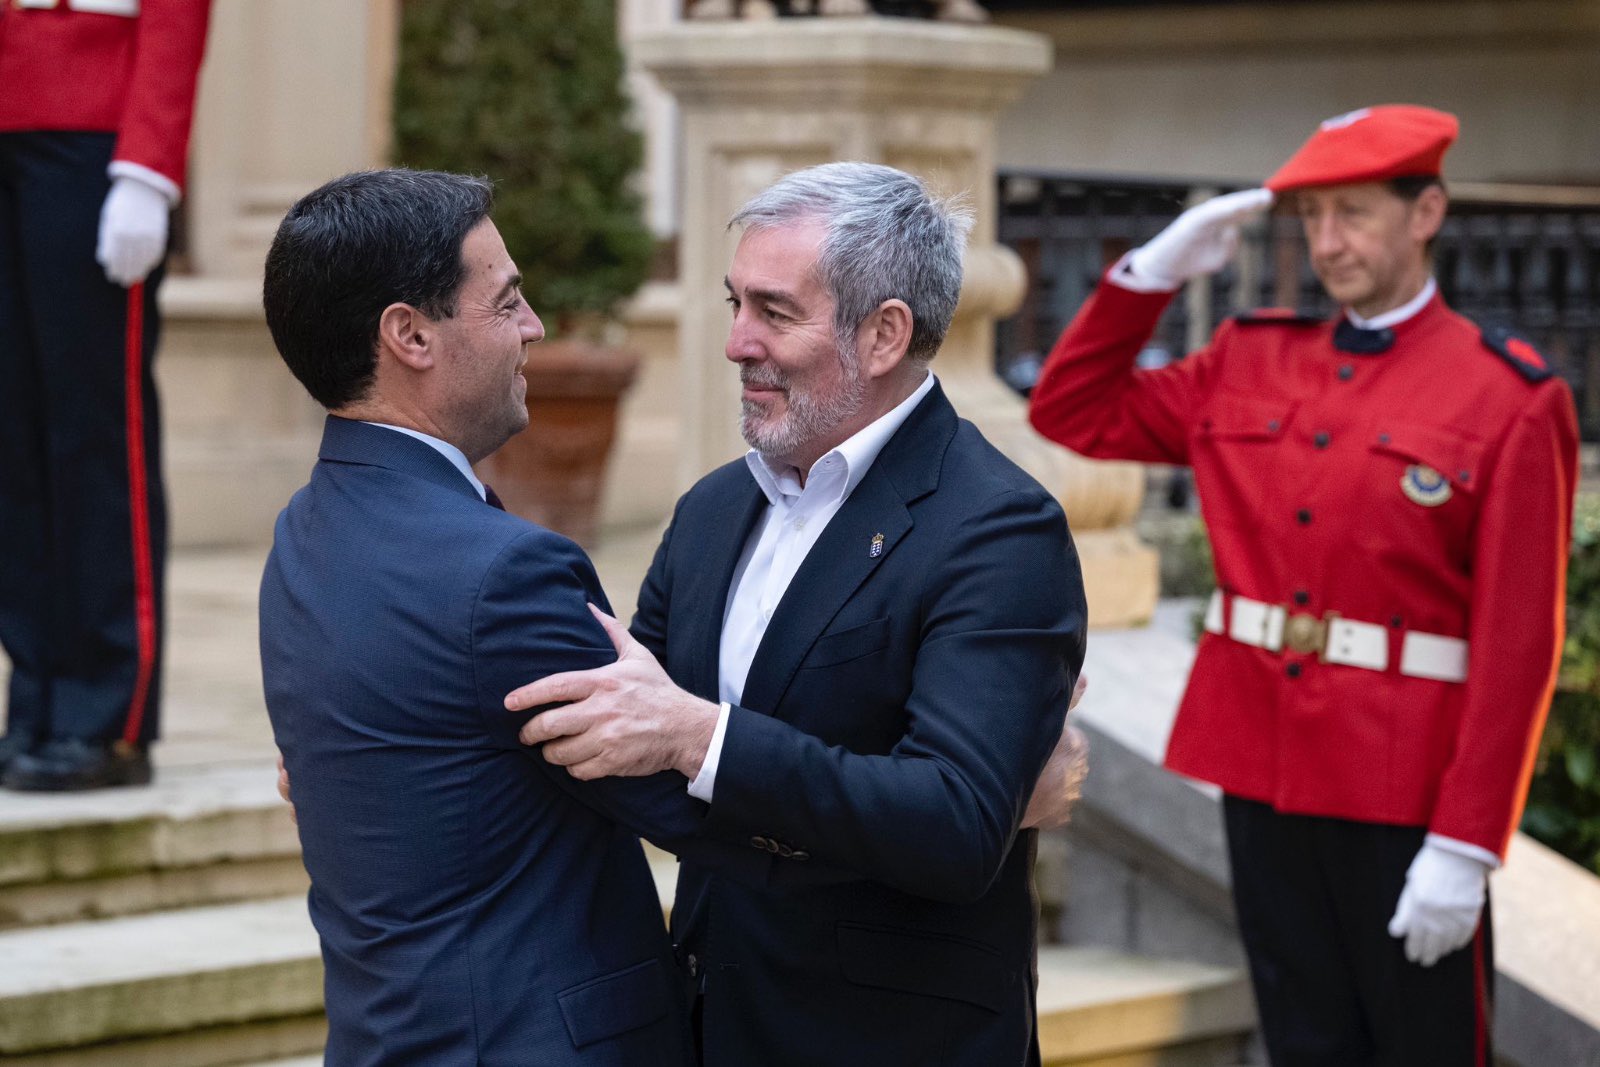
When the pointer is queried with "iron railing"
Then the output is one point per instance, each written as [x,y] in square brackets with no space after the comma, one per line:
[1527,257]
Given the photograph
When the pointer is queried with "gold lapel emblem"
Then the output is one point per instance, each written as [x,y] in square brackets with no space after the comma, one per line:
[1423,485]
[876,548]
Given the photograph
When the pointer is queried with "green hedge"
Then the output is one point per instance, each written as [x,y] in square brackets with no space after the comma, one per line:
[529,92]
[1564,798]
[1564,801]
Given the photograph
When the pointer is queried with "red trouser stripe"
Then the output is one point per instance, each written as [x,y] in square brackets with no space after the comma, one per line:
[139,508]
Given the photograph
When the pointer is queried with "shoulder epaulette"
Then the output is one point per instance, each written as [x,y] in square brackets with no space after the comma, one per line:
[1277,317]
[1518,351]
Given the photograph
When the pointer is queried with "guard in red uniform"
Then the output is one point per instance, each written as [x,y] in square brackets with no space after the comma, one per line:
[96,98]
[1389,499]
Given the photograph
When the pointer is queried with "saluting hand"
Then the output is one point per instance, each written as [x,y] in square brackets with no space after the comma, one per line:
[1200,241]
[627,718]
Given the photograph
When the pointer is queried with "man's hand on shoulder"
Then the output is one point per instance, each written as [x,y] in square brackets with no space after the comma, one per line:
[625,719]
[1061,782]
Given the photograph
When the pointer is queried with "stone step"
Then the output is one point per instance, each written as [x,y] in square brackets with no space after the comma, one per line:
[191,988]
[1102,1008]
[199,835]
[242,982]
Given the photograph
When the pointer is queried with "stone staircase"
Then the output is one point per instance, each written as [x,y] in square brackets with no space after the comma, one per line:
[166,927]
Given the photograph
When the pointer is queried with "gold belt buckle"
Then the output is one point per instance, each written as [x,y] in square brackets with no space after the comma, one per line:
[1305,633]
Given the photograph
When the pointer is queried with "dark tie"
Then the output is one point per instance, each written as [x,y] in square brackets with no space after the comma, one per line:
[1348,337]
[492,497]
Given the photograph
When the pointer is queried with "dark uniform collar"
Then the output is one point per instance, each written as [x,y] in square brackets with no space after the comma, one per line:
[1371,337]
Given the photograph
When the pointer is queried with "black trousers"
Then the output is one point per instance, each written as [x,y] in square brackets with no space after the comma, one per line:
[1314,897]
[82,511]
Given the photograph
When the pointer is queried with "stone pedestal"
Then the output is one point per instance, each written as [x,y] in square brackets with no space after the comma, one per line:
[759,99]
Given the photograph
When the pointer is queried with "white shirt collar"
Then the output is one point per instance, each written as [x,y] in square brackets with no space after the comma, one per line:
[1396,316]
[449,451]
[853,457]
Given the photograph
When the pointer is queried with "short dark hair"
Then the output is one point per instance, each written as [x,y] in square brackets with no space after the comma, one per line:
[351,248]
[1411,186]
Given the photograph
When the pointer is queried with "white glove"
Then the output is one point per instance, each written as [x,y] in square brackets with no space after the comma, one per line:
[1200,241]
[1439,907]
[133,230]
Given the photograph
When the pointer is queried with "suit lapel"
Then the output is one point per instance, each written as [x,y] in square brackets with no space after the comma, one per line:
[843,557]
[718,544]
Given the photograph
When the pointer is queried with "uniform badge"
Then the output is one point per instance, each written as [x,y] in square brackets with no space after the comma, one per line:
[876,548]
[1423,485]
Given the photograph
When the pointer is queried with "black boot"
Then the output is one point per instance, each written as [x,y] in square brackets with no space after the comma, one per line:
[71,765]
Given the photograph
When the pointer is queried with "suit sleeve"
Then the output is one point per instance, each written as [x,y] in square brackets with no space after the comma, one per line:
[1000,649]
[1517,623]
[1091,398]
[531,620]
[156,120]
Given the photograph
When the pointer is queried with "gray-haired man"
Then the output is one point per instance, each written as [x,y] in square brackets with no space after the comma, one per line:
[891,615]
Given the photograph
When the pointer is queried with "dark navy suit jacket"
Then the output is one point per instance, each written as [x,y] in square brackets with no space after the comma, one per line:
[476,904]
[895,718]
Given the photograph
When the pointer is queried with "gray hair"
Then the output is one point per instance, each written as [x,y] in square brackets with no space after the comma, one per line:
[887,238]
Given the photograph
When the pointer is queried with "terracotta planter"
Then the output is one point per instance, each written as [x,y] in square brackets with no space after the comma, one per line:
[553,472]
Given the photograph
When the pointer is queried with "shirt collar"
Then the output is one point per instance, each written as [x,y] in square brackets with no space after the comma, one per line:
[856,454]
[449,451]
[1396,316]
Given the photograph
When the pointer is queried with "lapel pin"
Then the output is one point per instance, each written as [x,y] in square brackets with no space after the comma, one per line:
[876,548]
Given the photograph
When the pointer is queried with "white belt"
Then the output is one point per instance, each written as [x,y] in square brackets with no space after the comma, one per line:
[1337,640]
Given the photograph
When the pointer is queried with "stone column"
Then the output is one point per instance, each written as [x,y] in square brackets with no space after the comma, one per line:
[293,92]
[761,98]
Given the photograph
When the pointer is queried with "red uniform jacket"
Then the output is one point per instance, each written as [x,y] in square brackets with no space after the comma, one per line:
[74,65]
[1299,451]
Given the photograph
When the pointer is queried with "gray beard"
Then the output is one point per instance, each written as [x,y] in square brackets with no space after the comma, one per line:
[809,417]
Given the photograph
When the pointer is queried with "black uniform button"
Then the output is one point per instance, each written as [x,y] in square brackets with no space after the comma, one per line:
[1303,516]
[1302,597]
[1272,427]
[1292,670]
[1396,621]
[694,966]
[1383,438]
[1465,476]
[1321,439]
[1346,372]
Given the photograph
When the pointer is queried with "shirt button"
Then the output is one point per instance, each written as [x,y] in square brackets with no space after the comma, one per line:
[1321,439]
[799,524]
[1303,516]
[1272,427]
[1346,372]
[1302,597]
[1292,670]
[1383,438]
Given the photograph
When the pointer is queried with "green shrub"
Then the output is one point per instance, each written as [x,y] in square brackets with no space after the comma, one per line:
[1564,800]
[529,92]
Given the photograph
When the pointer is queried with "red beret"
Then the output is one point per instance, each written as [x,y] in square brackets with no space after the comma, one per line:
[1372,144]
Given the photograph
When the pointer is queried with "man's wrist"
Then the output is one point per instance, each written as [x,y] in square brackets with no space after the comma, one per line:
[699,719]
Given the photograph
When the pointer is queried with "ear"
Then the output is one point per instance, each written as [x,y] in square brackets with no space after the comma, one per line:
[1427,213]
[883,338]
[407,336]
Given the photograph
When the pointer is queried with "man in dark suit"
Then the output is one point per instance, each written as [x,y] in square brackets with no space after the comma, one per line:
[891,615]
[476,905]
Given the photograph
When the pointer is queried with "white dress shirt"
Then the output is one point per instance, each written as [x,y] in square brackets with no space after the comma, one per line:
[449,451]
[796,516]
